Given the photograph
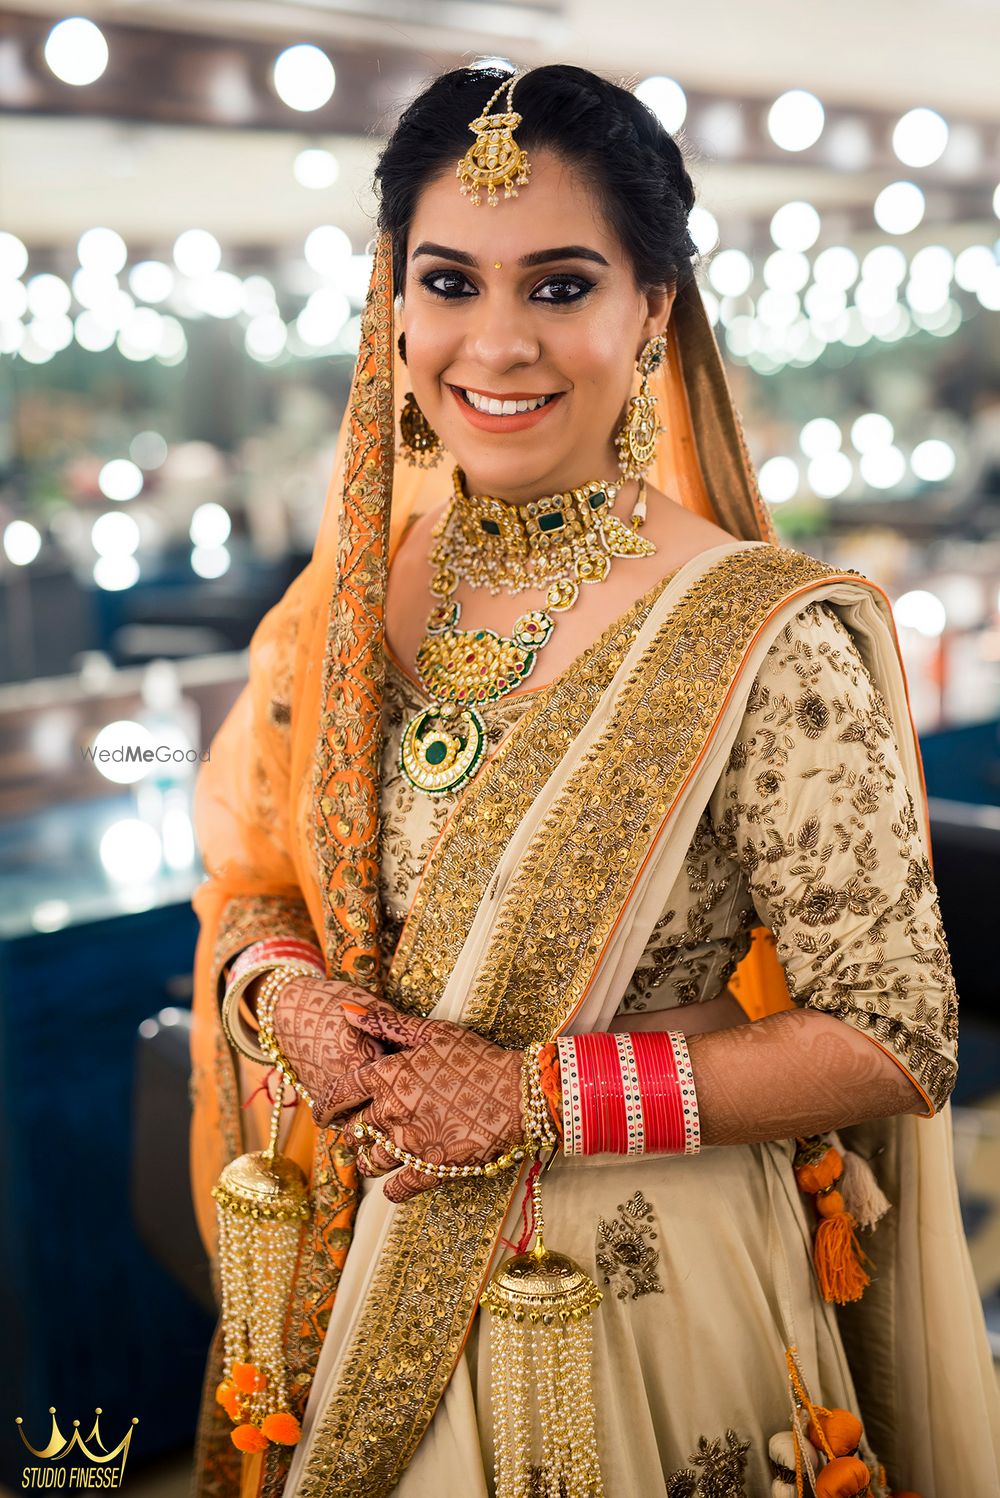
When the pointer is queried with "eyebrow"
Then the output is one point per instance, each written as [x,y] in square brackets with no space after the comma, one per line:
[537,257]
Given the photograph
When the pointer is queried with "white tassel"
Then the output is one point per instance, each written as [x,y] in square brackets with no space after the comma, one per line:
[863,1196]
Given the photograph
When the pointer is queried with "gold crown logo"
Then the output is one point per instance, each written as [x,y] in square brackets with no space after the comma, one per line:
[58,1446]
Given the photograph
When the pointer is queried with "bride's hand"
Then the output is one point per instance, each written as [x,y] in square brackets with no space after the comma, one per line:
[311,1028]
[448,1096]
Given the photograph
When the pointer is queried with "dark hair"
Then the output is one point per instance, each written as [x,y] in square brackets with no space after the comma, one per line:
[602,130]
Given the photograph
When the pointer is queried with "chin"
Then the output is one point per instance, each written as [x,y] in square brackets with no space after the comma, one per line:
[499,473]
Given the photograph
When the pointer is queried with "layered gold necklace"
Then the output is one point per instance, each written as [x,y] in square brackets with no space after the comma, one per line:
[556,543]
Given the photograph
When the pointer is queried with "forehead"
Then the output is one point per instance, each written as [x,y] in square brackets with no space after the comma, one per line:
[556,208]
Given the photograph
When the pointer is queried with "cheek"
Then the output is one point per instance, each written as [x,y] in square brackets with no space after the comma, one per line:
[431,341]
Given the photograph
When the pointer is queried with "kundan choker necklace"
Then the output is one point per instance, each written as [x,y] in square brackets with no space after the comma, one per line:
[555,543]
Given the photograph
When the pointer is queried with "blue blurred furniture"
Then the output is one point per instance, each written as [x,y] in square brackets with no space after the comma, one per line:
[963,763]
[89,1316]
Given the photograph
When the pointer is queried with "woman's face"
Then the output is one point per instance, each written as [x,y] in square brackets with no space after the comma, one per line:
[533,298]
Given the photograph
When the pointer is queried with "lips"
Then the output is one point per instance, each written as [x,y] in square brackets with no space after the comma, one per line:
[480,408]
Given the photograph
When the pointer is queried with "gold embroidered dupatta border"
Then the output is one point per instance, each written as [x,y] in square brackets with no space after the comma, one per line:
[462,862]
[553,924]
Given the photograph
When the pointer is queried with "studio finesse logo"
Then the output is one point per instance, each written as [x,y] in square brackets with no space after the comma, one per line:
[100,1474]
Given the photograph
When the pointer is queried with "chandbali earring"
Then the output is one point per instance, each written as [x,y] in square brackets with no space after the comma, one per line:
[636,442]
[419,444]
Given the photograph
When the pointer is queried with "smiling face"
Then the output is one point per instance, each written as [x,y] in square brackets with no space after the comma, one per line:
[523,323]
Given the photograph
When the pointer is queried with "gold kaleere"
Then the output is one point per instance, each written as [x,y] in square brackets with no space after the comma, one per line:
[544,1418]
[262,1202]
[494,159]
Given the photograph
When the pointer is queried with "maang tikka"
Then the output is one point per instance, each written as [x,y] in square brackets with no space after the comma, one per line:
[636,442]
[494,159]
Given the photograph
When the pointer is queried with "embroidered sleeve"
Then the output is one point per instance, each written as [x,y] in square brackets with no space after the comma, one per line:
[249,918]
[814,806]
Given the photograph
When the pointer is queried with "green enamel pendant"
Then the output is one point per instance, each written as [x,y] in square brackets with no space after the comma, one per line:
[440,751]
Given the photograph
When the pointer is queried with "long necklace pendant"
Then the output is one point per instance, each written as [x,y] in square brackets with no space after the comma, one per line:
[443,745]
[470,667]
[441,749]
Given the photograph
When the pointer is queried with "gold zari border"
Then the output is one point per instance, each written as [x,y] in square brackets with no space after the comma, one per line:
[555,919]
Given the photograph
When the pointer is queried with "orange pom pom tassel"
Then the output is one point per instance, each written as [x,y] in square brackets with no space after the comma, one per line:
[840,1259]
[249,1438]
[829,1203]
[248,1378]
[232,1406]
[842,1431]
[816,1175]
[283,1427]
[844,1477]
[223,1391]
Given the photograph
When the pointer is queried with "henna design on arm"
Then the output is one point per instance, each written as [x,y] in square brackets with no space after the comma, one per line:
[793,1073]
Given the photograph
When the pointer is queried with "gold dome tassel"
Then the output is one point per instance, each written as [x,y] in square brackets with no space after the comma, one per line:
[541,1334]
[262,1202]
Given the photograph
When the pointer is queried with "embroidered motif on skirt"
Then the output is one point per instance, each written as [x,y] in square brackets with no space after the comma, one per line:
[625,1252]
[722,1467]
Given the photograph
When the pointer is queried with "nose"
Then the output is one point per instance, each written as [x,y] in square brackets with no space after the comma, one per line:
[500,336]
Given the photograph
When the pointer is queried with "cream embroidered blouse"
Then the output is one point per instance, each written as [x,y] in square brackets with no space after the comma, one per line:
[810,831]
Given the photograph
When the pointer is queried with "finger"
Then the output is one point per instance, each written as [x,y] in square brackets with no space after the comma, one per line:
[386,1022]
[350,1090]
[381,1158]
[407,1183]
[369,1163]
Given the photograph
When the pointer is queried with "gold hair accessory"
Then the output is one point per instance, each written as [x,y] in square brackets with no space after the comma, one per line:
[636,442]
[419,444]
[494,159]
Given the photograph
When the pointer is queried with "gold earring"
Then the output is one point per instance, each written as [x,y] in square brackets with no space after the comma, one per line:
[636,442]
[419,444]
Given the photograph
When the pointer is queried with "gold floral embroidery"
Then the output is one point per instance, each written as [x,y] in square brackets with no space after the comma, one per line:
[348,750]
[342,810]
[625,1252]
[583,859]
[722,1469]
[814,808]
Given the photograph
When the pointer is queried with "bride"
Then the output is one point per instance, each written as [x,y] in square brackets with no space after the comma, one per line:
[566,810]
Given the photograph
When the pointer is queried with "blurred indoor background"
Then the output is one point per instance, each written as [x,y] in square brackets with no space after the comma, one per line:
[185,227]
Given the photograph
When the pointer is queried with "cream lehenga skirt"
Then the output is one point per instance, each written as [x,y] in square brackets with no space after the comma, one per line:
[706,1266]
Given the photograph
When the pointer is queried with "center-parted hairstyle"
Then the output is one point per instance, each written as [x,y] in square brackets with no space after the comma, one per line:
[613,141]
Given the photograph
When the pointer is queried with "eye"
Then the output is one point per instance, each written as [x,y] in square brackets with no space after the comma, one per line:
[564,289]
[447,284]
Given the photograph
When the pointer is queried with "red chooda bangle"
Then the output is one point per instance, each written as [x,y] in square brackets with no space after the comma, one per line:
[628,1094]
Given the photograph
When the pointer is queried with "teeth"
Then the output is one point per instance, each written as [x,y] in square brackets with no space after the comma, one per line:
[504,408]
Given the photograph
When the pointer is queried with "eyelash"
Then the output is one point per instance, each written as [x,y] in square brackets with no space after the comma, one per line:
[455,296]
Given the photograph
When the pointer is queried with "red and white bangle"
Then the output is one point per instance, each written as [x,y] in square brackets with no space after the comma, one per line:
[628,1094]
[260,957]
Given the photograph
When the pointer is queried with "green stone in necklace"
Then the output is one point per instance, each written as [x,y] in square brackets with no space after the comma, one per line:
[558,543]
